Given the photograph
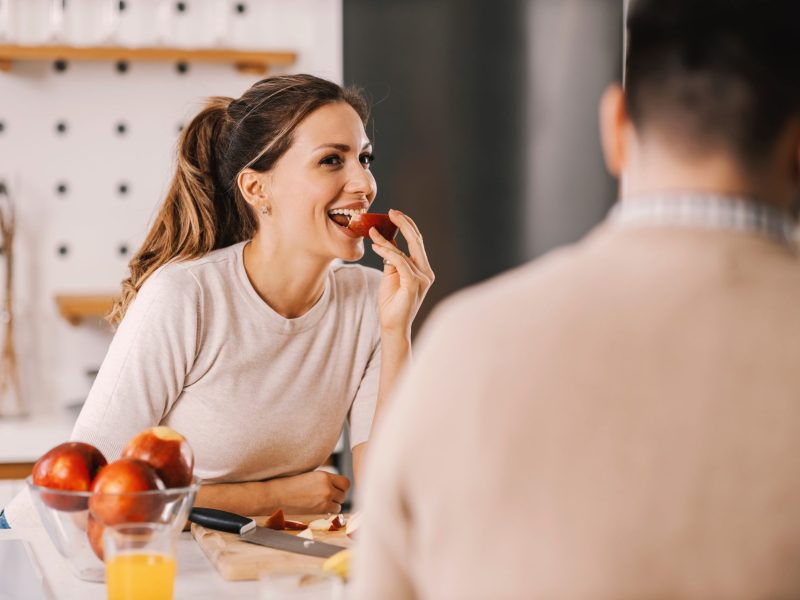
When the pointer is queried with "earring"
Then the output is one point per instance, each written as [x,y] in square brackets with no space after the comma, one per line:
[264,209]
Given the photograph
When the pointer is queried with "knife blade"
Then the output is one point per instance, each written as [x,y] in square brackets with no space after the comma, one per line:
[248,531]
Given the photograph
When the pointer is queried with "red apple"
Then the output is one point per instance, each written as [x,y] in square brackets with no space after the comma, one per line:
[167,451]
[70,466]
[361,224]
[94,531]
[114,498]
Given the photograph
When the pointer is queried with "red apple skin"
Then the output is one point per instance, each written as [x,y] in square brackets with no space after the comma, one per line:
[336,524]
[361,224]
[94,531]
[166,451]
[71,467]
[112,501]
[294,525]
[276,520]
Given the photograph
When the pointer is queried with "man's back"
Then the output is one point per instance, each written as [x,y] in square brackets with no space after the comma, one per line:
[624,425]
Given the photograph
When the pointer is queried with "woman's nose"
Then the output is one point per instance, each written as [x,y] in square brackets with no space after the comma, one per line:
[360,180]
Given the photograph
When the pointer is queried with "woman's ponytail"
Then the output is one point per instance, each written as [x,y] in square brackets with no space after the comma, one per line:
[197,215]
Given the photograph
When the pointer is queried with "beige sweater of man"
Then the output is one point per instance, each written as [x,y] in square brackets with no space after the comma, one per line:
[256,395]
[618,420]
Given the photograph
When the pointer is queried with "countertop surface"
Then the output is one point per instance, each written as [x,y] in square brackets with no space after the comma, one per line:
[195,578]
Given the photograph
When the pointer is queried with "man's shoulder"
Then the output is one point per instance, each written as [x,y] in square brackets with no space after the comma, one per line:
[518,287]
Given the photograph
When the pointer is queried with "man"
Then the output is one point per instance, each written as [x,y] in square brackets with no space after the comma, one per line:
[621,419]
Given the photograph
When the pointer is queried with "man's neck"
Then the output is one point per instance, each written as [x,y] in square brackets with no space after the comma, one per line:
[652,169]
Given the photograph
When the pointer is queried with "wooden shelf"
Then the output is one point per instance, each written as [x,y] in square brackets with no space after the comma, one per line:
[246,61]
[75,308]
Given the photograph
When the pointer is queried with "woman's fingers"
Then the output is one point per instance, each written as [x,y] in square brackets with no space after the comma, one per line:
[412,235]
[340,482]
[398,260]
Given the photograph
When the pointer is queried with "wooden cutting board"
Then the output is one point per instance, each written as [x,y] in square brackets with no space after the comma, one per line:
[237,560]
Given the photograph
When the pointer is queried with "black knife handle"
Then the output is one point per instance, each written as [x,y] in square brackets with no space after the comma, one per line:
[221,520]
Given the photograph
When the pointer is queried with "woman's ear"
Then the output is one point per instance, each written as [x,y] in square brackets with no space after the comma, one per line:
[613,125]
[252,185]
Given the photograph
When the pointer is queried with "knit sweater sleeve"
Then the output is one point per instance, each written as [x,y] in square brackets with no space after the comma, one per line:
[147,363]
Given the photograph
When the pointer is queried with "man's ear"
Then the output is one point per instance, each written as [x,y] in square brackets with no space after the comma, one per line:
[613,125]
[253,187]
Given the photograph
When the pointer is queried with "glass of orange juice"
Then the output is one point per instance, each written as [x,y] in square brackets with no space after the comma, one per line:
[140,561]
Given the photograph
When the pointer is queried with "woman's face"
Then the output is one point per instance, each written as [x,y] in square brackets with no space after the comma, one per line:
[326,169]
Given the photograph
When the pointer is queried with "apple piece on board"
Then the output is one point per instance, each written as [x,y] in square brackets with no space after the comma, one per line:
[307,534]
[94,531]
[114,498]
[334,523]
[353,524]
[276,520]
[70,467]
[337,523]
[320,525]
[294,525]
[167,451]
[361,224]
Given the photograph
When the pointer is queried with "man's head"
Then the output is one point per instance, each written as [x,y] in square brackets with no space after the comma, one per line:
[708,82]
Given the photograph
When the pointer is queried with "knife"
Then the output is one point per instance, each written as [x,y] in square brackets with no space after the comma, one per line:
[248,531]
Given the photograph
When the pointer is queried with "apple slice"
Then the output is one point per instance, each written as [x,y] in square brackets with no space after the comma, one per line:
[294,525]
[307,534]
[353,523]
[276,521]
[337,523]
[361,224]
[334,523]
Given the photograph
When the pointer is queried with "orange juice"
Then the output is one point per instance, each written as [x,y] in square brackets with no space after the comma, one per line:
[140,577]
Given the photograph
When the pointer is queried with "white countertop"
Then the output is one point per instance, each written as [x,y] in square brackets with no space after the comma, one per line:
[195,577]
[25,439]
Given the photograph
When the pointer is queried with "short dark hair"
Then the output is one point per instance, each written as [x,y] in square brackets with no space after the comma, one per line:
[722,73]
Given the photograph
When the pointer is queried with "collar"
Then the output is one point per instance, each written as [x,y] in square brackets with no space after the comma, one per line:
[705,211]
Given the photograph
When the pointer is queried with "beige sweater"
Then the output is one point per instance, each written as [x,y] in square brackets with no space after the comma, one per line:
[618,420]
[256,395]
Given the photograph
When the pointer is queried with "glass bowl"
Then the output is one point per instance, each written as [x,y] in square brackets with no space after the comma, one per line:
[70,518]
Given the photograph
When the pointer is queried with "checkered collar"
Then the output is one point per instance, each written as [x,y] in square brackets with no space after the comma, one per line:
[706,211]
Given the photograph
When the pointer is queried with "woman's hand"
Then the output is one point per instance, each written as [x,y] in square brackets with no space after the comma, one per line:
[310,493]
[406,278]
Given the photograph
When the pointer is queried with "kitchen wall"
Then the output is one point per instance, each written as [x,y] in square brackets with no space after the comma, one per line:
[86,149]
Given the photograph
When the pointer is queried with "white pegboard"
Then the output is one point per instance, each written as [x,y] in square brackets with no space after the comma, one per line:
[91,159]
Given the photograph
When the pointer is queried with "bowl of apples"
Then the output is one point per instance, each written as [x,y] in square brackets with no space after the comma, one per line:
[77,493]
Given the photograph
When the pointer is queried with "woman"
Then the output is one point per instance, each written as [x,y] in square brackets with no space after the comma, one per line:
[238,327]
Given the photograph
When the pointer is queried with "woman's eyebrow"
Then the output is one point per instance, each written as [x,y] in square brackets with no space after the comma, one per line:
[341,147]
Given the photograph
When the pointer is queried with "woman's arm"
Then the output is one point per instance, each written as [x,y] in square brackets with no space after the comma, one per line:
[406,280]
[316,492]
[395,353]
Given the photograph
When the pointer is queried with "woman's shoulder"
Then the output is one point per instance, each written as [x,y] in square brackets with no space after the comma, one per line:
[195,271]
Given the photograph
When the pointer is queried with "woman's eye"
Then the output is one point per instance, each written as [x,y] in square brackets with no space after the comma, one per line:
[367,159]
[331,160]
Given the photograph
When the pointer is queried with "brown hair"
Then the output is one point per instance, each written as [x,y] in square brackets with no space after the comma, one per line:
[204,209]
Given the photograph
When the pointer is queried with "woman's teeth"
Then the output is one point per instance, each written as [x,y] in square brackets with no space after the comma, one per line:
[342,216]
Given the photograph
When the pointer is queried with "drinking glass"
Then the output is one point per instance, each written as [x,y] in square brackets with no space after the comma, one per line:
[140,561]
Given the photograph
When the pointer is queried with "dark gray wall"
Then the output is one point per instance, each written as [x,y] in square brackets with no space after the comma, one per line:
[484,122]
